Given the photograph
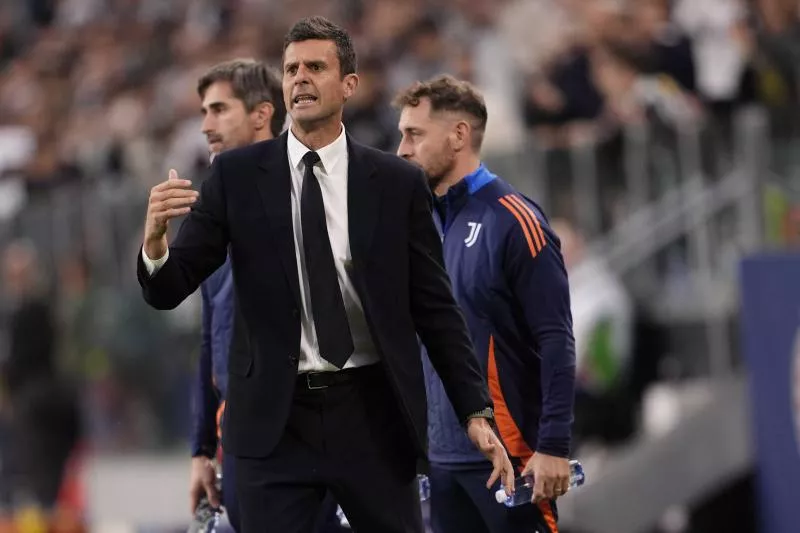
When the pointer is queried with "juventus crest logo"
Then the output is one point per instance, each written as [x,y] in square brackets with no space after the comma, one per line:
[474,230]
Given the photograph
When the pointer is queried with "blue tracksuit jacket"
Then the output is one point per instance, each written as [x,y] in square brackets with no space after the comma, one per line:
[509,278]
[212,373]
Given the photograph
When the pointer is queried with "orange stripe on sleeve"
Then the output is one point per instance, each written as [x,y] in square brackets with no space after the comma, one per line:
[525,228]
[533,220]
[509,431]
[220,412]
[549,516]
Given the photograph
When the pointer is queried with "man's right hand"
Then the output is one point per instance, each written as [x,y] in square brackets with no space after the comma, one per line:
[203,482]
[169,199]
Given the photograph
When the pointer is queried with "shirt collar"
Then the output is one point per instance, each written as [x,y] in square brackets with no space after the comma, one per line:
[478,179]
[329,155]
[471,183]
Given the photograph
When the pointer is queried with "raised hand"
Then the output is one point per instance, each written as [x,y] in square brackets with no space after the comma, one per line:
[169,199]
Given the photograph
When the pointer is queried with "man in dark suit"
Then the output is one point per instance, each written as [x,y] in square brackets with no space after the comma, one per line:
[337,267]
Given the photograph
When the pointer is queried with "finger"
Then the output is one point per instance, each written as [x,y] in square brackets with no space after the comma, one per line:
[174,180]
[162,201]
[194,499]
[160,209]
[169,214]
[159,195]
[549,487]
[172,203]
[213,494]
[495,475]
[171,184]
[564,485]
[176,193]
[508,476]
[528,469]
[538,488]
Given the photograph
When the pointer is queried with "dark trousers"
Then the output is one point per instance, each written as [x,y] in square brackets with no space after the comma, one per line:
[229,491]
[327,521]
[460,503]
[348,438]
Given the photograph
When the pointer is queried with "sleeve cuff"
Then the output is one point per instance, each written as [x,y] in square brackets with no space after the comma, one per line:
[487,413]
[556,448]
[154,265]
[204,451]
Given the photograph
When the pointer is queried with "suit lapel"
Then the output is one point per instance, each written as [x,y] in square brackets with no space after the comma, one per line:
[363,199]
[275,188]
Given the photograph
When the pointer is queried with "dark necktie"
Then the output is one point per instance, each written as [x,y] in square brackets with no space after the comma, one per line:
[330,320]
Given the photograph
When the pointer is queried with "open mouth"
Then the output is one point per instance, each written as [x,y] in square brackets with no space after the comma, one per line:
[304,99]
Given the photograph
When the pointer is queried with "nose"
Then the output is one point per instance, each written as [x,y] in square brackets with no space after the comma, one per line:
[301,76]
[208,124]
[404,149]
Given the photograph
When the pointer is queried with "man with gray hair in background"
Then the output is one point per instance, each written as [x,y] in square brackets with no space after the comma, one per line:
[242,104]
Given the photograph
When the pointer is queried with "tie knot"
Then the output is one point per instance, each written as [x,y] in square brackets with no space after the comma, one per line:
[310,159]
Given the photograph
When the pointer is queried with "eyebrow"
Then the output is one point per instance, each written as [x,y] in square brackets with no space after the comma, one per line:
[308,63]
[213,105]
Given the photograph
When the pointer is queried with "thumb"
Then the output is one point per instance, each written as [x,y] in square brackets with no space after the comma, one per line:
[194,501]
[528,470]
[173,174]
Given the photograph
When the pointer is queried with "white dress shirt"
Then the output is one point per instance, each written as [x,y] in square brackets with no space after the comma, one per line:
[331,172]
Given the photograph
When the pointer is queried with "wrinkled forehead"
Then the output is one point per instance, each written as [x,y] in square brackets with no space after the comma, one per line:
[312,50]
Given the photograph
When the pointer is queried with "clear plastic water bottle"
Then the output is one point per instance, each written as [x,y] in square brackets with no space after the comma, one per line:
[424,487]
[523,486]
[206,518]
[342,518]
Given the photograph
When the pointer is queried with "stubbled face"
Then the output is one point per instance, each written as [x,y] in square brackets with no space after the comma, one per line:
[313,88]
[226,122]
[426,141]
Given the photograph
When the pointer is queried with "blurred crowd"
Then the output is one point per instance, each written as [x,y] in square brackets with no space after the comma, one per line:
[99,102]
[105,87]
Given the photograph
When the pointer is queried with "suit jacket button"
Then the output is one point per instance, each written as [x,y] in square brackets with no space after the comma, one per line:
[293,359]
[295,313]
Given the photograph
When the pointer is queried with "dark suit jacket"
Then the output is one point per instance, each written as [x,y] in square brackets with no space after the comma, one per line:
[397,269]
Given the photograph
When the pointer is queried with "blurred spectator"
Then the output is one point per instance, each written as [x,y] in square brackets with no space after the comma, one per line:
[631,93]
[42,409]
[45,430]
[776,60]
[563,93]
[603,322]
[722,46]
[667,48]
[423,55]
[28,315]
[368,116]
